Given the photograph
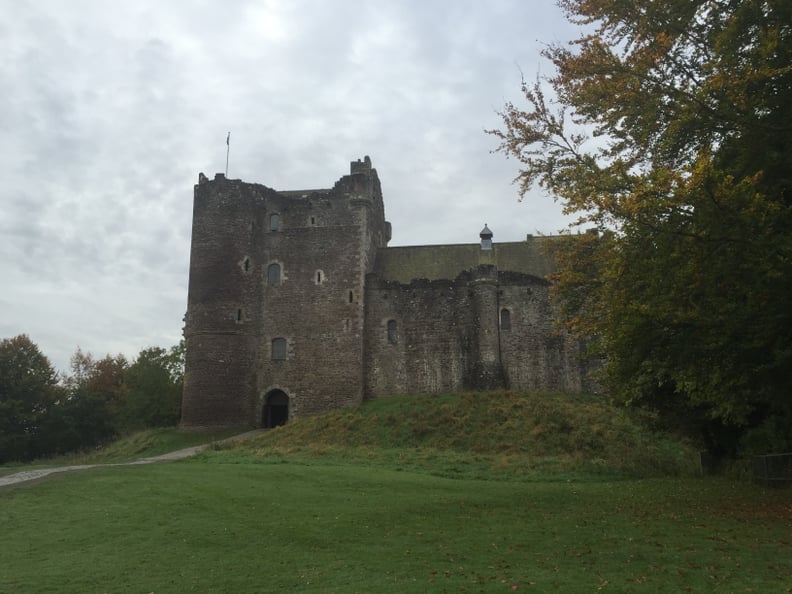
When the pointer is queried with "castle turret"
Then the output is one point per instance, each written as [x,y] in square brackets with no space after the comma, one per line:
[486,371]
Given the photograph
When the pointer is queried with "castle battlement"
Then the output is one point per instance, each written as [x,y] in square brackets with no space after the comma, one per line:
[359,166]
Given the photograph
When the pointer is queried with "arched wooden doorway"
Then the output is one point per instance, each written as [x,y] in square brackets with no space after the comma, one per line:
[276,409]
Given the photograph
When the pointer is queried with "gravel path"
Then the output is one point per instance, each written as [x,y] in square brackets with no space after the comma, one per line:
[35,474]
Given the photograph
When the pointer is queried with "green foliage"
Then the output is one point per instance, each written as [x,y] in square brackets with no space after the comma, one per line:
[97,401]
[685,294]
[28,392]
[129,396]
[96,395]
[77,422]
[133,396]
[154,385]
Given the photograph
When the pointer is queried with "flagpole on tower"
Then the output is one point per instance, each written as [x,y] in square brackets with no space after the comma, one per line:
[228,150]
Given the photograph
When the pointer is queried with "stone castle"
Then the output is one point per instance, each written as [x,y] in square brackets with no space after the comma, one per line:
[297,306]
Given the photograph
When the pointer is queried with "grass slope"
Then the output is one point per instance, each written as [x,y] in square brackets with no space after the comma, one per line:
[510,434]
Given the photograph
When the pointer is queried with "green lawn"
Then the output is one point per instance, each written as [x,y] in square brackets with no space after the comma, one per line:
[225,522]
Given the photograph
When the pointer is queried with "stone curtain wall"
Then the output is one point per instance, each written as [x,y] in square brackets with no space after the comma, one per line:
[445,335]
[536,354]
[430,351]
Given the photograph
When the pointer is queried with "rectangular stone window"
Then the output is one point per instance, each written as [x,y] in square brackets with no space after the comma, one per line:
[278,349]
[273,275]
[392,332]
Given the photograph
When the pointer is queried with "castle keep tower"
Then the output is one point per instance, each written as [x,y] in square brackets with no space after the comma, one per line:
[275,313]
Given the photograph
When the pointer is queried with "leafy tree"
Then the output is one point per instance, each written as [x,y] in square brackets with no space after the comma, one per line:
[99,399]
[668,126]
[79,420]
[107,384]
[96,400]
[28,391]
[82,367]
[174,362]
[155,387]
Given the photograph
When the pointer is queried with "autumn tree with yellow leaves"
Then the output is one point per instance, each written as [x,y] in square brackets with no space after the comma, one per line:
[668,126]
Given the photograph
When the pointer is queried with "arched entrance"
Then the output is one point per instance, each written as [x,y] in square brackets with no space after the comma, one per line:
[276,409]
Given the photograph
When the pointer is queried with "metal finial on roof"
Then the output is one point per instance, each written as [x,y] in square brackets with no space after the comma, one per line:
[485,232]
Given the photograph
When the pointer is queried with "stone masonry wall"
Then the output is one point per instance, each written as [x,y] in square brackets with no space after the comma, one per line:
[268,266]
[317,308]
[450,337]
[428,347]
[536,354]
[220,326]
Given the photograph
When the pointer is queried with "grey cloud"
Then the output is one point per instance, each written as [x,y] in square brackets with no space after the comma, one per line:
[114,108]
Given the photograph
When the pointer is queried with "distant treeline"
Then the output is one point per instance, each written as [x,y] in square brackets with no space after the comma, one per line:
[44,413]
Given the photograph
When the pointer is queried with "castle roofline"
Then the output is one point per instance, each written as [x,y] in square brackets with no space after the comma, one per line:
[529,239]
[434,262]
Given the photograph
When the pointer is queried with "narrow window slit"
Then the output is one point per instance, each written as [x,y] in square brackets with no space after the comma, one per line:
[273,275]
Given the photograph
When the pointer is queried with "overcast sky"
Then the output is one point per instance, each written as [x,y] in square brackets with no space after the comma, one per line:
[109,110]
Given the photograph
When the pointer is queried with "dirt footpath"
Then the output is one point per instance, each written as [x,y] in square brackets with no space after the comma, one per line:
[36,474]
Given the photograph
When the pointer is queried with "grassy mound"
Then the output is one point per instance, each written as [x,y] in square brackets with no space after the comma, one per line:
[152,442]
[510,434]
